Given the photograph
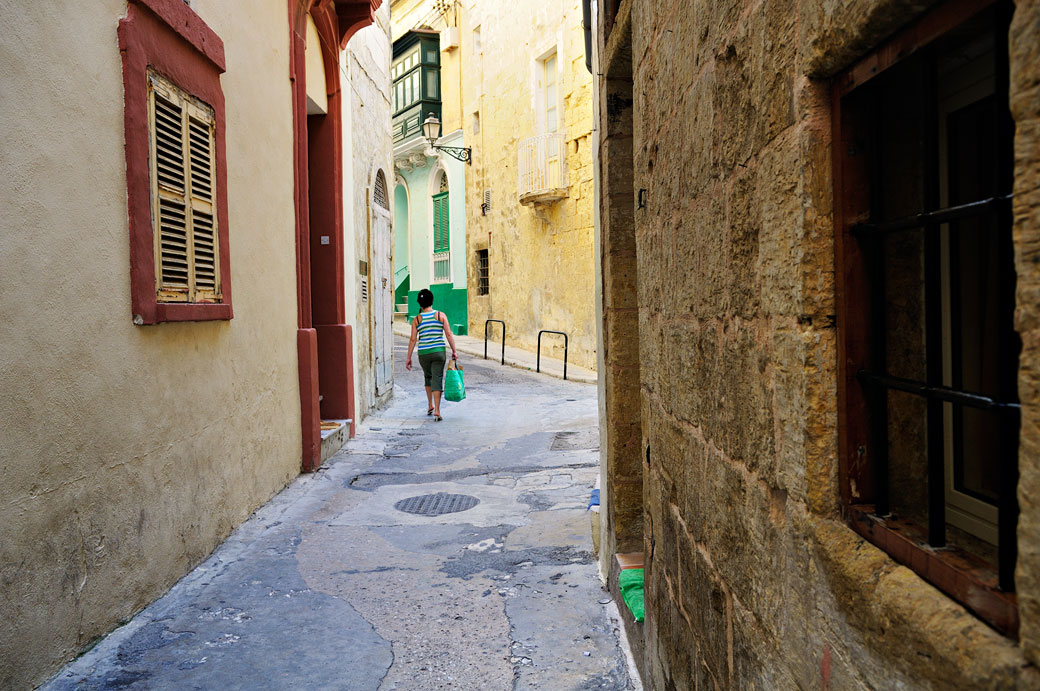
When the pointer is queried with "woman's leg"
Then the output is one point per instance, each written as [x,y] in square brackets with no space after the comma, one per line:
[427,362]
[437,361]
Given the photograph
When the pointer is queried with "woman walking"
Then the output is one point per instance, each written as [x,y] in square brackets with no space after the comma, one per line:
[429,329]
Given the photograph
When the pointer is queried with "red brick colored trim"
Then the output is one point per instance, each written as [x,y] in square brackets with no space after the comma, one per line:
[327,365]
[189,26]
[355,15]
[167,36]
[336,368]
[307,353]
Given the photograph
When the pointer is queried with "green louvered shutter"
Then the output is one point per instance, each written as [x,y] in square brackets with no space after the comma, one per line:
[440,222]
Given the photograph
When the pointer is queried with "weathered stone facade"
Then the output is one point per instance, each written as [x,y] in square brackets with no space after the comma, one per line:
[716,208]
[540,255]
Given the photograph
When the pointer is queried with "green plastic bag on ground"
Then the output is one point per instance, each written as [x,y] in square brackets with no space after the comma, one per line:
[454,386]
[630,582]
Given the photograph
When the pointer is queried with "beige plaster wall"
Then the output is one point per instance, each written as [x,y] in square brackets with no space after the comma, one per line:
[754,580]
[129,452]
[541,261]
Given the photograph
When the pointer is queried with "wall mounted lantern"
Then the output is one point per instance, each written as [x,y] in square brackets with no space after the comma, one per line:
[432,131]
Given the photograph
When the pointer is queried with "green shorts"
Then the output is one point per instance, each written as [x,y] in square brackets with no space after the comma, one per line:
[432,364]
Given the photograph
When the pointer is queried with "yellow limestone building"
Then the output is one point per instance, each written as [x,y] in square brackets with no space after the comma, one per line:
[516,91]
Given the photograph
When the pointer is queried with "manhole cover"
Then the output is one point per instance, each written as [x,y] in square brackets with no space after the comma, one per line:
[437,504]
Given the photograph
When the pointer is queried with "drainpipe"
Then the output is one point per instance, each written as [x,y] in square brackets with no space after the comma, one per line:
[586,25]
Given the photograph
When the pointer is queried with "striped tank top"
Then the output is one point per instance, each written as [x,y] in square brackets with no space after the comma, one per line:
[431,333]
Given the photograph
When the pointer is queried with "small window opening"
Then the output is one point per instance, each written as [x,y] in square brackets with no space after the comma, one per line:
[483,273]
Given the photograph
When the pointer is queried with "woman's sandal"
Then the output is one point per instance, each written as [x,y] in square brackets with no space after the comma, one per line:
[430,411]
[438,418]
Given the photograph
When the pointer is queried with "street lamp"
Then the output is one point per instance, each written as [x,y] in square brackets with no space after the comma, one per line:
[432,131]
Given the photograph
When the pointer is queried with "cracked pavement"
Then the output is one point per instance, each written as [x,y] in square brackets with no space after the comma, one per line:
[329,586]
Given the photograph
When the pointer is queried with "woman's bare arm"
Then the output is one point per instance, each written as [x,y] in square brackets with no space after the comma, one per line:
[447,332]
[411,343]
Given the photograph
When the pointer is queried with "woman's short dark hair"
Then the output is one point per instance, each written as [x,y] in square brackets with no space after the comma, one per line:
[425,298]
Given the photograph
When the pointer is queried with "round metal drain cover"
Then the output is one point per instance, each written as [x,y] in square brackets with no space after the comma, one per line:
[436,504]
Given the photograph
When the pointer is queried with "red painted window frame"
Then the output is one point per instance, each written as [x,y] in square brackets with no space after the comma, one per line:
[168,37]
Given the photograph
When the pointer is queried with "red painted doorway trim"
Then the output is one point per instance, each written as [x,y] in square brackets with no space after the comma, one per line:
[324,340]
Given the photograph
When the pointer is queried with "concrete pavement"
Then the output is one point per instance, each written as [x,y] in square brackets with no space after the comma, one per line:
[347,581]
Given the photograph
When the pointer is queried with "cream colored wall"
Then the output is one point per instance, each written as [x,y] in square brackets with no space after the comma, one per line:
[129,452]
[317,97]
[542,269]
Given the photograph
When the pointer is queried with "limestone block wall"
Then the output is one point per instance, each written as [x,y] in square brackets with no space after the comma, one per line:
[541,261]
[753,579]
[129,452]
[1024,46]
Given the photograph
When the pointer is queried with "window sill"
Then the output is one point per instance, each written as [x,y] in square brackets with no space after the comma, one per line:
[183,312]
[969,580]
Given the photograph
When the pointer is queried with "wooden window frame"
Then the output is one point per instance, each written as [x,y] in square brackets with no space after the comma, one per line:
[167,38]
[966,578]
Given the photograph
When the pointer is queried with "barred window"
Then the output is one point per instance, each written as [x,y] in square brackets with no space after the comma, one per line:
[483,273]
[925,265]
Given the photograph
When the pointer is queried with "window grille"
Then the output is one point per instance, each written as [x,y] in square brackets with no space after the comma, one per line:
[183,204]
[928,386]
[379,195]
[442,267]
[483,273]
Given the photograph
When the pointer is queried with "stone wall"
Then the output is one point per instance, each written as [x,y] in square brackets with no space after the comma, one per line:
[754,580]
[1024,45]
[541,259]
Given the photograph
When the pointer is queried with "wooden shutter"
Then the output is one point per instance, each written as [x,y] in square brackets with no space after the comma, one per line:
[440,222]
[183,166]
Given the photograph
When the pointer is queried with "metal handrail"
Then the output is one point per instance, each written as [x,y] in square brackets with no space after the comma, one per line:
[499,321]
[538,361]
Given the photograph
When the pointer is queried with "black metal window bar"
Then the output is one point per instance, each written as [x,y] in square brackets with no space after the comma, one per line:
[875,379]
[483,273]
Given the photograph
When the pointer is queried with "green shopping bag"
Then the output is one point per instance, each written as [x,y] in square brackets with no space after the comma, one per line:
[454,386]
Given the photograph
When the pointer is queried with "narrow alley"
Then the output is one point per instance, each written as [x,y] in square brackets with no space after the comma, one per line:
[336,585]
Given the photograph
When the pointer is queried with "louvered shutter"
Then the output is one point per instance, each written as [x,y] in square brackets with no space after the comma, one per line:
[440,221]
[200,135]
[183,205]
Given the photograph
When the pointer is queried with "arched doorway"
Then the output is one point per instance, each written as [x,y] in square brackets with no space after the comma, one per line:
[402,247]
[381,305]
